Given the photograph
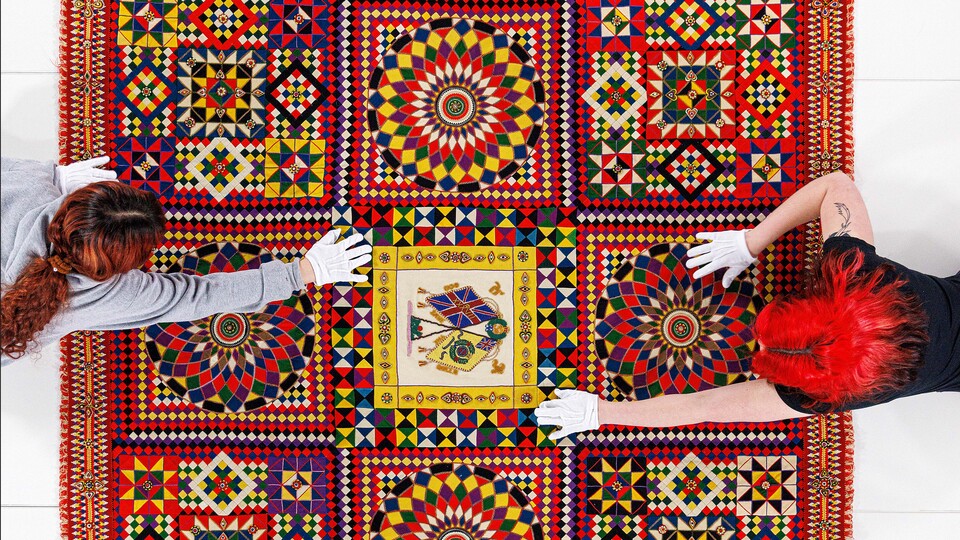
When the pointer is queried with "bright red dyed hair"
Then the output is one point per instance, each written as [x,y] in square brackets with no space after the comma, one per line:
[849,336]
[100,230]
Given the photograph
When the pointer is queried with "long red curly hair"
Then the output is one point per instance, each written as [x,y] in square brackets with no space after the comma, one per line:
[100,230]
[849,336]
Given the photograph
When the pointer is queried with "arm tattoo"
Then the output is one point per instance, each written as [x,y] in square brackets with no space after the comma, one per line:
[845,226]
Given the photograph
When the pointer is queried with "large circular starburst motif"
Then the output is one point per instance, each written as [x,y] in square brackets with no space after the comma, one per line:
[233,362]
[454,501]
[456,105]
[658,330]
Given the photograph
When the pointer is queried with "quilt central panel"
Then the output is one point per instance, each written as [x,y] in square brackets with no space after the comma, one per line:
[530,176]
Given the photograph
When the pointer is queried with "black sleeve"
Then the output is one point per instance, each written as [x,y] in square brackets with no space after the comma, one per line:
[798,401]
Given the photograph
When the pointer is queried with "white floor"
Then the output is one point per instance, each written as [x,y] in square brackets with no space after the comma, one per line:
[907,127]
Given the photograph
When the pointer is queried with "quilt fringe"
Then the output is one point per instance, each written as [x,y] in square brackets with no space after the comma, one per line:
[848,144]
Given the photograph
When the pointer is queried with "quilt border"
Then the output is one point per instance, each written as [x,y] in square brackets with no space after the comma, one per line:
[85,447]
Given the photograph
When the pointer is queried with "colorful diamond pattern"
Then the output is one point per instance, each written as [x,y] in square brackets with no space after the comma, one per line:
[145,91]
[690,169]
[141,527]
[690,24]
[223,24]
[222,485]
[772,527]
[295,94]
[692,486]
[616,95]
[768,94]
[218,168]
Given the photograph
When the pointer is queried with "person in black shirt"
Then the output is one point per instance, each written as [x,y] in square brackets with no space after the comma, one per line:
[866,331]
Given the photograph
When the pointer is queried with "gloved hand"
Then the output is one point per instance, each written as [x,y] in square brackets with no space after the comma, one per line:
[334,261]
[727,249]
[70,178]
[574,412]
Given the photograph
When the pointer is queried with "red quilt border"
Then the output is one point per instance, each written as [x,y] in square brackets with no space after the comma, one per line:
[85,449]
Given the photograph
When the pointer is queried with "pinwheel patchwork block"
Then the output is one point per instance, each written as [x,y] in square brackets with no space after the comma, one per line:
[294,168]
[147,23]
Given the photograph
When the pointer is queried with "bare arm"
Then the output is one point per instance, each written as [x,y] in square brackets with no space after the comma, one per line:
[833,198]
[752,401]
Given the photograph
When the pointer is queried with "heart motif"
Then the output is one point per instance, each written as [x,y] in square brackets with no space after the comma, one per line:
[672,95]
[691,113]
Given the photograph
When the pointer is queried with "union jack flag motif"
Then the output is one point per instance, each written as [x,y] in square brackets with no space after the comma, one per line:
[463,307]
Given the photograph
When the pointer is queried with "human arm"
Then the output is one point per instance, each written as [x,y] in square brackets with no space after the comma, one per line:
[136,299]
[752,401]
[28,174]
[833,198]
[141,298]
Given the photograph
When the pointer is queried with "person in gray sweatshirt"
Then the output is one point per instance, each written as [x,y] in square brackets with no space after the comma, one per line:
[73,243]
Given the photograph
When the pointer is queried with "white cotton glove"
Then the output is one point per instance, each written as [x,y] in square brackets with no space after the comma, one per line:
[334,261]
[70,178]
[727,249]
[574,411]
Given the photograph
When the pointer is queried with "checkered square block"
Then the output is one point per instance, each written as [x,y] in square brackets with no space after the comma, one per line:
[145,91]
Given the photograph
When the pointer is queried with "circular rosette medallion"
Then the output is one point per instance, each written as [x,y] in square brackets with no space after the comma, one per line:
[659,331]
[233,362]
[453,501]
[456,105]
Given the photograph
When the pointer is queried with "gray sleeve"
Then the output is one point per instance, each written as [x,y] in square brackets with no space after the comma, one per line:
[137,299]
[30,174]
